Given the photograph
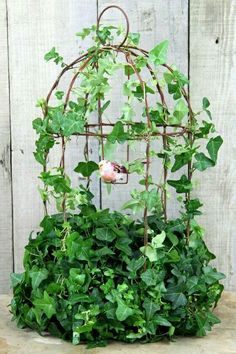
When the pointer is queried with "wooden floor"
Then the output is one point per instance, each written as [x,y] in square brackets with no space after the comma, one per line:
[222,340]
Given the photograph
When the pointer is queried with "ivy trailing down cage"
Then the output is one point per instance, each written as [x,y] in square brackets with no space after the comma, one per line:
[90,274]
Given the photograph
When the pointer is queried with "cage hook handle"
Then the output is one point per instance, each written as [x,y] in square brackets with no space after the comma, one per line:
[126,19]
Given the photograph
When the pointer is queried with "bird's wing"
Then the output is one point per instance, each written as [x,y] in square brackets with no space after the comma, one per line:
[119,168]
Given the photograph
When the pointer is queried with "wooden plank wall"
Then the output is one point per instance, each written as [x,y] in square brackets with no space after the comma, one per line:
[202,43]
[213,74]
[6,260]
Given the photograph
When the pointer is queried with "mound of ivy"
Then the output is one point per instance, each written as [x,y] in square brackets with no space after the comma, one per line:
[86,280]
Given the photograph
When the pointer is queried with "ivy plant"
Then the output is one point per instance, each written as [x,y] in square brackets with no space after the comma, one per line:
[91,275]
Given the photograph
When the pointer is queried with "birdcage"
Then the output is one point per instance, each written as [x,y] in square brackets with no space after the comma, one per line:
[153,128]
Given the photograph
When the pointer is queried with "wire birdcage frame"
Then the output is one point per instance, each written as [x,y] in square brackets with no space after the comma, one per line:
[129,52]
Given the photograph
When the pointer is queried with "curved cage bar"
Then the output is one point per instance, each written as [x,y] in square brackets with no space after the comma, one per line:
[126,19]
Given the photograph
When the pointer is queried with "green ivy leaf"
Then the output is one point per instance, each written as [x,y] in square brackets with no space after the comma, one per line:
[134,265]
[118,134]
[143,181]
[192,207]
[150,252]
[140,61]
[175,294]
[59,182]
[104,251]
[104,107]
[86,168]
[174,90]
[16,279]
[139,92]
[211,275]
[38,125]
[157,241]
[78,248]
[129,70]
[76,276]
[134,38]
[213,147]
[162,321]
[85,32]
[53,54]
[168,76]
[173,238]
[37,275]
[123,245]
[180,111]
[72,123]
[150,308]
[203,162]
[183,185]
[134,336]
[105,234]
[152,199]
[59,94]
[159,53]
[46,304]
[44,143]
[204,130]
[40,157]
[181,160]
[138,167]
[191,284]
[57,121]
[173,256]
[201,322]
[134,204]
[149,277]
[175,82]
[123,311]
[157,115]
[171,331]
[212,318]
[205,103]
[127,112]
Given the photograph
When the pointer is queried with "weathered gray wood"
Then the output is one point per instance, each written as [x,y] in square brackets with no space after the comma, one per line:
[155,20]
[6,260]
[213,74]
[34,28]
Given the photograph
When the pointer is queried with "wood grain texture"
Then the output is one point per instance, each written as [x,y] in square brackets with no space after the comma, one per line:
[34,28]
[155,20]
[213,74]
[5,166]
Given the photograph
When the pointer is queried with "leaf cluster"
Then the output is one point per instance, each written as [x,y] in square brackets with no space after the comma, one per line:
[84,280]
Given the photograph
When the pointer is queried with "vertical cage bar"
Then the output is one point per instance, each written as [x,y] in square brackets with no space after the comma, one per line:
[164,142]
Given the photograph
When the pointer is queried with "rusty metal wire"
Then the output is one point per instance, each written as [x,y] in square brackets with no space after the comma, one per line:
[126,19]
[96,130]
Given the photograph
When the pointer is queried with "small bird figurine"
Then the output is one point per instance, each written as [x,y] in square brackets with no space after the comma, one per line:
[112,172]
